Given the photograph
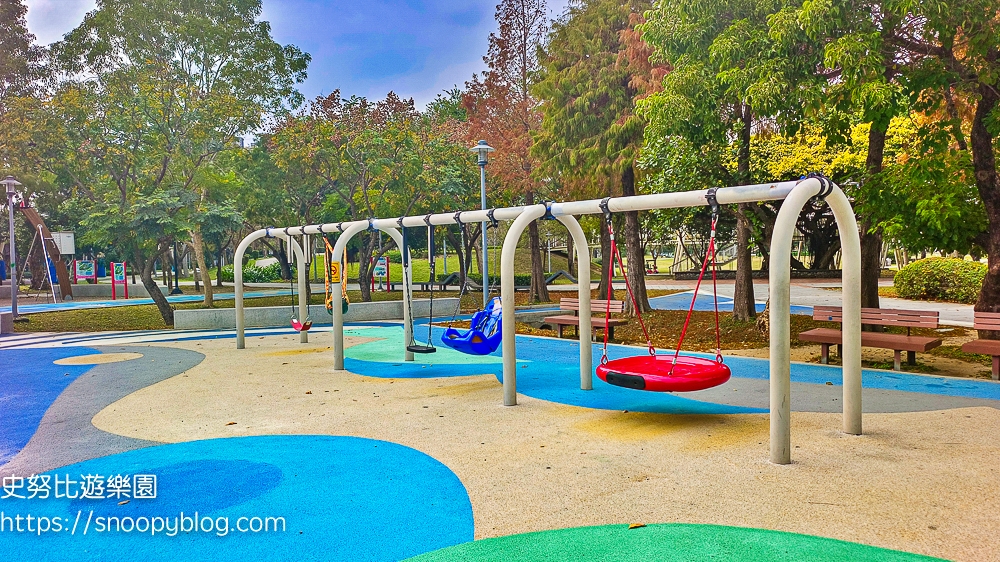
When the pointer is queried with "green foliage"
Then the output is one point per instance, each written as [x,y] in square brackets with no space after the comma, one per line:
[253,274]
[946,279]
[520,279]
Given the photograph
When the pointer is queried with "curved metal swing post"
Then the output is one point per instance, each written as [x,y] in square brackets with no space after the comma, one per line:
[507,300]
[238,280]
[583,294]
[780,266]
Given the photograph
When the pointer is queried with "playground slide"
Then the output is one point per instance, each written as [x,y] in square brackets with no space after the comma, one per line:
[65,288]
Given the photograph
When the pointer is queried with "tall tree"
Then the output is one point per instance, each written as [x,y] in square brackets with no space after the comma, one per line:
[862,66]
[952,51]
[502,110]
[365,154]
[20,58]
[729,78]
[157,90]
[594,67]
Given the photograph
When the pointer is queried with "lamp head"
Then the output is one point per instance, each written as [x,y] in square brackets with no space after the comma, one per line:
[11,184]
[482,149]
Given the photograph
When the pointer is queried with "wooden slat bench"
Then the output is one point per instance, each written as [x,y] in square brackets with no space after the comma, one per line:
[986,321]
[882,317]
[596,322]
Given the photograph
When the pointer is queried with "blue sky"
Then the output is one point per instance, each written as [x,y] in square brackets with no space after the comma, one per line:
[416,48]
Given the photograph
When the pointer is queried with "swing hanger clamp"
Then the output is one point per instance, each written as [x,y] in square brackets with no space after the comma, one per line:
[371,225]
[340,227]
[713,201]
[825,185]
[606,209]
[267,232]
[427,219]
[548,216]
[458,219]
[493,221]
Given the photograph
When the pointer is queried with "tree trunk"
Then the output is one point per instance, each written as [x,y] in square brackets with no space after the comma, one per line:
[569,255]
[539,291]
[871,238]
[198,245]
[988,184]
[164,308]
[744,303]
[282,256]
[636,259]
[366,266]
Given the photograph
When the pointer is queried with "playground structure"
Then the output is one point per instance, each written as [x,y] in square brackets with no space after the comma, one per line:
[51,250]
[794,194]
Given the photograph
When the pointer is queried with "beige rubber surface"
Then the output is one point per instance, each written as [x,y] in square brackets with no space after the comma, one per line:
[922,482]
[98,359]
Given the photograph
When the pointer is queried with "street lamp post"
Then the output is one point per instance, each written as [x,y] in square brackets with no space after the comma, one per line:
[12,184]
[177,287]
[483,149]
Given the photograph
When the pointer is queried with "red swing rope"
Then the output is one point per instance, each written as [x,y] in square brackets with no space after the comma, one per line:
[709,254]
[616,254]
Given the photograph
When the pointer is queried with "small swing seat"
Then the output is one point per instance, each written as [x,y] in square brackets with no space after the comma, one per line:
[301,326]
[483,337]
[417,348]
[652,372]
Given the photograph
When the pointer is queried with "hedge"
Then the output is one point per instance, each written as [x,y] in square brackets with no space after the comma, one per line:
[520,279]
[254,274]
[944,279]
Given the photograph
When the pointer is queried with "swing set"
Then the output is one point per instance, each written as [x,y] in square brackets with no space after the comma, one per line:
[485,328]
[665,373]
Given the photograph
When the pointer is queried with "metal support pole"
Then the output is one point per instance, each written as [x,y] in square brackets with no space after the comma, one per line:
[507,300]
[13,256]
[486,246]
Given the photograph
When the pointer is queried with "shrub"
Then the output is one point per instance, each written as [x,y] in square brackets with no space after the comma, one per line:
[520,280]
[253,274]
[946,279]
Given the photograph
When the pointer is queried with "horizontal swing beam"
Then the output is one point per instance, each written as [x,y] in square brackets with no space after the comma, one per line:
[725,196]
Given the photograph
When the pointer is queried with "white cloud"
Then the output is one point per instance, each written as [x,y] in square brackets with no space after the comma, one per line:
[49,20]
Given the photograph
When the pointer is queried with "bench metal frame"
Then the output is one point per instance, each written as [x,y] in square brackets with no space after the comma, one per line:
[795,195]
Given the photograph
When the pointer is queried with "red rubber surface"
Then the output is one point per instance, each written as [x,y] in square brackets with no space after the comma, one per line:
[690,373]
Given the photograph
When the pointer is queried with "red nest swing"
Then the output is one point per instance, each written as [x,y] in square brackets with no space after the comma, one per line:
[665,373]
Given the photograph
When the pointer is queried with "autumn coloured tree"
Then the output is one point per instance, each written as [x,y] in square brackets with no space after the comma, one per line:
[502,110]
[594,67]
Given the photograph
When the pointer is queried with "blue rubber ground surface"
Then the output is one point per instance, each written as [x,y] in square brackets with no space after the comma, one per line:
[29,383]
[342,498]
[554,375]
[80,305]
[705,303]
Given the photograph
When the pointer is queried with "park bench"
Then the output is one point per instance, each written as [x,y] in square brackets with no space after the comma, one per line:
[597,322]
[881,317]
[986,321]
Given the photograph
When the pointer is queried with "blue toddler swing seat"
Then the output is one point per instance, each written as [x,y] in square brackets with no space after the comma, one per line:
[484,335]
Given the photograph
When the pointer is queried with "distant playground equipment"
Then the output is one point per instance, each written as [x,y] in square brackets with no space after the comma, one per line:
[411,343]
[662,373]
[51,250]
[794,194]
[485,328]
[334,272]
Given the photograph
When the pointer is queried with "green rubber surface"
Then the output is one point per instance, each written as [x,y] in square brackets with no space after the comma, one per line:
[665,542]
